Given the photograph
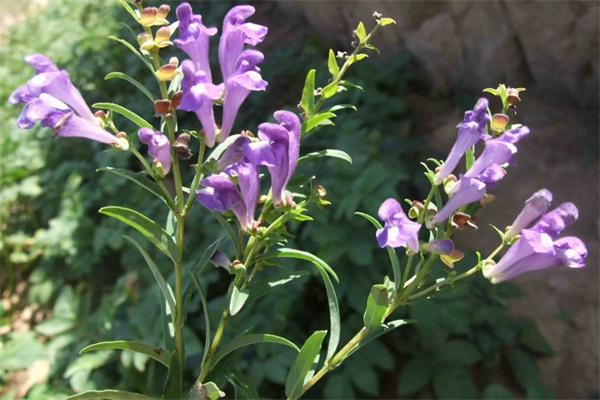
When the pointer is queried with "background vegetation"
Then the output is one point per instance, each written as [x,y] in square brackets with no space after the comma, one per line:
[69,278]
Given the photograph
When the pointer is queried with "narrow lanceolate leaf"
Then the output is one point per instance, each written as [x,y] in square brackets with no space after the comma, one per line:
[134,51]
[150,229]
[380,330]
[130,115]
[264,286]
[109,394]
[391,251]
[128,8]
[152,351]
[332,64]
[229,230]
[173,383]
[301,255]
[247,340]
[308,95]
[196,271]
[244,388]
[125,77]
[162,284]
[316,121]
[376,306]
[139,178]
[207,339]
[309,352]
[342,155]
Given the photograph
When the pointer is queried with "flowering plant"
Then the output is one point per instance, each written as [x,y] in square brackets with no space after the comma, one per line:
[227,183]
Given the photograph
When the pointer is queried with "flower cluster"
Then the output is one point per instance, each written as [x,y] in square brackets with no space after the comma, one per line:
[51,99]
[539,247]
[239,67]
[277,148]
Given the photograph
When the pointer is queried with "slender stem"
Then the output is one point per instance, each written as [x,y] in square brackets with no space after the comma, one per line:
[426,204]
[179,345]
[349,62]
[406,272]
[214,345]
[197,177]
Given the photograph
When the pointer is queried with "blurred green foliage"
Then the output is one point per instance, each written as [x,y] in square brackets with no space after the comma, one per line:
[76,263]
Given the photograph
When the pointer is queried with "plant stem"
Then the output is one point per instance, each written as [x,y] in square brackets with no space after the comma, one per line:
[160,183]
[406,272]
[214,345]
[197,177]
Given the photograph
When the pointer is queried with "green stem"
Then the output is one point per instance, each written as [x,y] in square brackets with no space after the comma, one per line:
[179,345]
[197,177]
[160,183]
[406,272]
[426,204]
[348,62]
[214,345]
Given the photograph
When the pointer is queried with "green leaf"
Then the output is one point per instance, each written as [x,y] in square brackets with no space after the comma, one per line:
[134,51]
[375,333]
[207,340]
[302,365]
[494,391]
[150,229]
[470,157]
[361,33]
[386,21]
[128,8]
[377,303]
[454,383]
[109,394]
[173,382]
[264,286]
[152,351]
[391,251]
[246,340]
[371,47]
[332,64]
[21,349]
[334,311]
[219,372]
[140,179]
[133,117]
[341,107]
[353,85]
[329,90]
[162,284]
[228,230]
[342,155]
[316,121]
[414,376]
[125,77]
[244,389]
[531,338]
[523,367]
[458,352]
[308,95]
[55,326]
[199,268]
[238,299]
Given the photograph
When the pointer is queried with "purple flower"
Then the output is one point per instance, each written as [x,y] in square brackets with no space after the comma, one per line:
[534,208]
[50,80]
[193,38]
[514,135]
[536,250]
[236,33]
[554,222]
[159,147]
[258,152]
[52,113]
[469,132]
[398,229]
[281,154]
[220,193]
[245,78]
[440,246]
[469,191]
[496,152]
[198,96]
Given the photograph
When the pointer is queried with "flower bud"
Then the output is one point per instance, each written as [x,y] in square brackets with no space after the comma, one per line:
[220,260]
[415,209]
[181,146]
[439,246]
[450,184]
[534,208]
[174,61]
[158,167]
[499,122]
[461,220]
[163,11]
[167,72]
[512,96]
[145,41]
[150,16]
[162,108]
[176,100]
[162,38]
[449,260]
[122,141]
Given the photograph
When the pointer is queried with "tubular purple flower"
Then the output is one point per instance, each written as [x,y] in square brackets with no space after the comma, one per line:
[554,222]
[439,246]
[193,38]
[50,80]
[52,113]
[257,152]
[496,152]
[159,147]
[236,33]
[469,191]
[244,79]
[398,230]
[534,208]
[534,251]
[284,143]
[469,132]
[219,193]
[198,96]
[220,259]
[514,135]
[248,180]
